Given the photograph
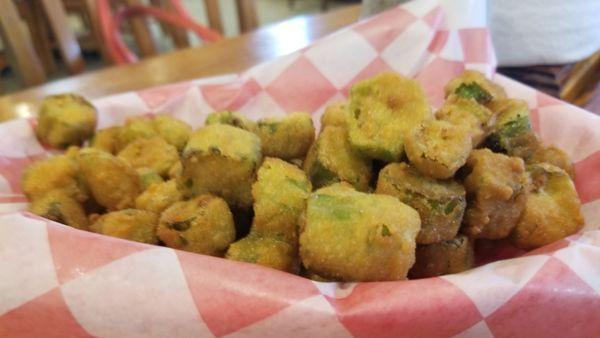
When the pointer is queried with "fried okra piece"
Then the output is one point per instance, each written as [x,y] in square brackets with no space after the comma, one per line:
[334,115]
[233,119]
[512,134]
[452,256]
[280,194]
[114,184]
[552,209]
[331,159]
[381,113]
[474,85]
[173,131]
[438,148]
[465,113]
[148,177]
[131,224]
[554,156]
[159,196]
[138,127]
[106,139]
[65,119]
[222,160]
[353,236]
[287,137]
[265,251]
[175,170]
[495,194]
[54,173]
[154,153]
[202,225]
[59,206]
[441,204]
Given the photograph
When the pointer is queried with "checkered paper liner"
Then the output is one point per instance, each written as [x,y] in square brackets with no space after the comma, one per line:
[59,281]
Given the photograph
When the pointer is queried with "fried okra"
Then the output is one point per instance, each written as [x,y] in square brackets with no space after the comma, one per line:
[233,119]
[552,208]
[452,256]
[154,153]
[202,225]
[382,112]
[334,115]
[175,170]
[441,204]
[132,224]
[113,183]
[288,137]
[280,194]
[438,148]
[106,139]
[353,236]
[331,159]
[265,251]
[54,173]
[495,193]
[173,131]
[474,85]
[158,197]
[512,134]
[222,160]
[138,127]
[148,177]
[59,206]
[465,113]
[65,119]
[554,156]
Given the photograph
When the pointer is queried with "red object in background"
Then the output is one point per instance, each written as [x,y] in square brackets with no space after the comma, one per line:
[110,24]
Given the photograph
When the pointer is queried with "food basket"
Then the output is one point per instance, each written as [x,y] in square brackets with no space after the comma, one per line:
[59,281]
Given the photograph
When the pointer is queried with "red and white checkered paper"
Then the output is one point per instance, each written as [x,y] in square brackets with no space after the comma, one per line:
[56,281]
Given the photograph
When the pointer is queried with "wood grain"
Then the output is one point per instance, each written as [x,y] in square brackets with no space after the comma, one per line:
[227,56]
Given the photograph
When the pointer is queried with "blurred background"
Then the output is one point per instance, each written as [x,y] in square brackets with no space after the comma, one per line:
[46,40]
[59,27]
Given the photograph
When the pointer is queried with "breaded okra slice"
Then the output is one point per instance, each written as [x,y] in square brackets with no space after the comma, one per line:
[441,204]
[474,85]
[106,139]
[438,148]
[495,189]
[222,160]
[59,206]
[332,159]
[148,177]
[132,224]
[65,120]
[353,236]
[382,111]
[54,173]
[465,113]
[552,155]
[280,194]
[451,256]
[175,132]
[265,251]
[552,208]
[287,137]
[512,134]
[159,196]
[138,127]
[202,225]
[154,153]
[114,184]
[233,119]
[334,115]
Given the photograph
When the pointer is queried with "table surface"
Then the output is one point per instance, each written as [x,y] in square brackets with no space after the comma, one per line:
[227,56]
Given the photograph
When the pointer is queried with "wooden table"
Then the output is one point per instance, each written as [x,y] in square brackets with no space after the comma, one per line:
[232,55]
